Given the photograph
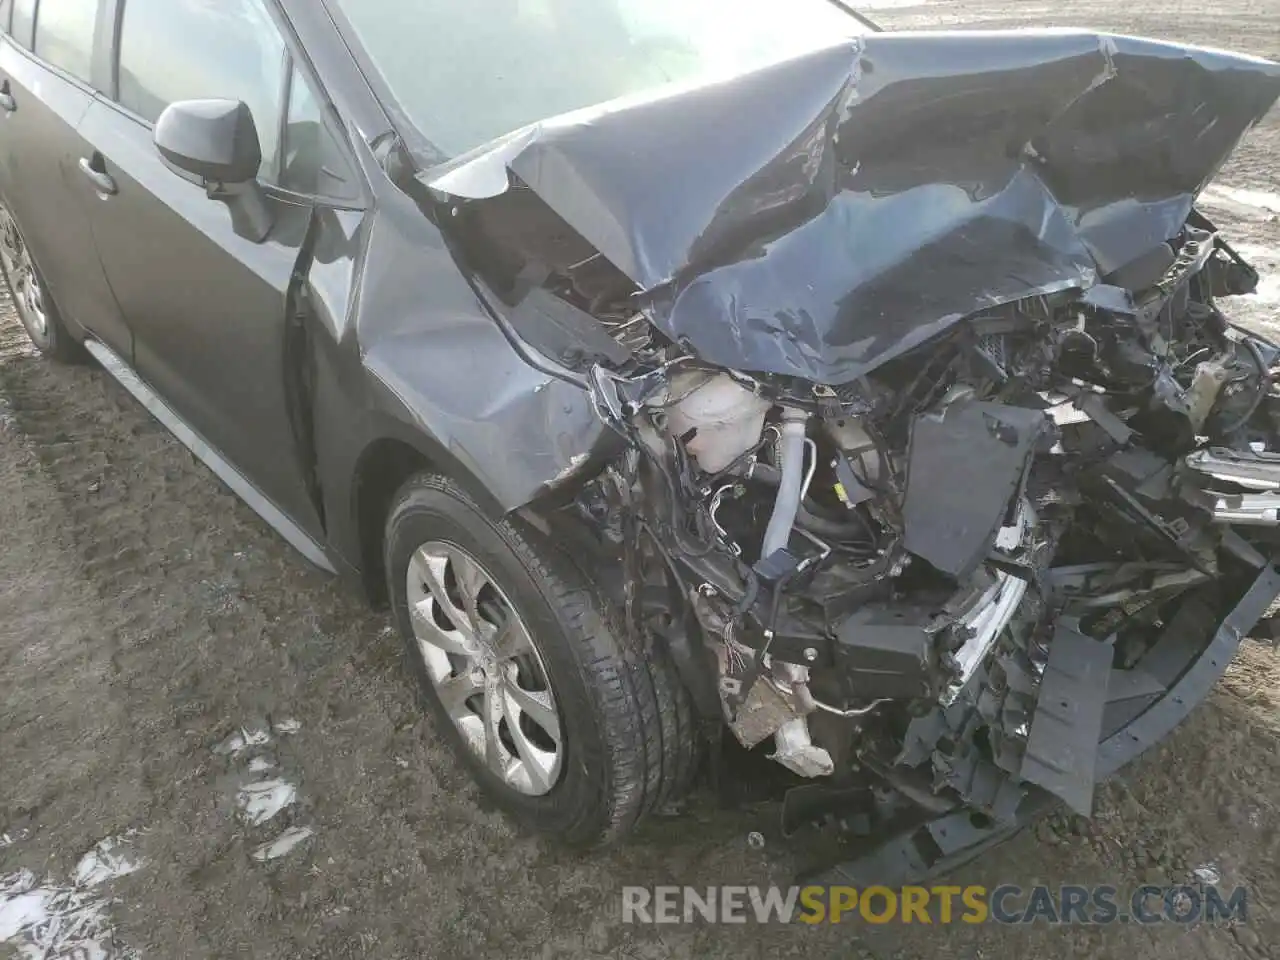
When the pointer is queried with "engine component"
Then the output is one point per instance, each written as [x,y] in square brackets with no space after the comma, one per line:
[794,749]
[764,711]
[1203,393]
[1256,470]
[724,417]
[1252,471]
[966,463]
[886,651]
[1254,509]
[852,439]
[776,706]
[791,457]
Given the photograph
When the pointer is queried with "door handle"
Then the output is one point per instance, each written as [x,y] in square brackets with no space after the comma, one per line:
[102,181]
[7,103]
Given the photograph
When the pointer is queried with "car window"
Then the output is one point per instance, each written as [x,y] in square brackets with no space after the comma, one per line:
[6,11]
[313,162]
[24,21]
[507,63]
[174,50]
[64,35]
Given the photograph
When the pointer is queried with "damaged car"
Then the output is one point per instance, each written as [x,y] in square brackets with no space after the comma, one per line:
[692,373]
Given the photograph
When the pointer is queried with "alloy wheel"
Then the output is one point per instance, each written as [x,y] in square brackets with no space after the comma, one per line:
[485,667]
[20,272]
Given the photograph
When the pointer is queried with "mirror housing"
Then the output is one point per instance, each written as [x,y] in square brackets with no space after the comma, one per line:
[217,142]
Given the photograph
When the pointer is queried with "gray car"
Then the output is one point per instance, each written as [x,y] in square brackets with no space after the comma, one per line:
[694,380]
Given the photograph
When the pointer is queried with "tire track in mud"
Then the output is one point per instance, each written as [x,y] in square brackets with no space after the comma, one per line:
[77,452]
[147,546]
[145,517]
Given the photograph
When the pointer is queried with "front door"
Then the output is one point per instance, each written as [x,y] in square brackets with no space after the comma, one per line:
[207,306]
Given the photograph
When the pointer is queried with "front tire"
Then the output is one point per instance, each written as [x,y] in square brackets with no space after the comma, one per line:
[565,724]
[35,307]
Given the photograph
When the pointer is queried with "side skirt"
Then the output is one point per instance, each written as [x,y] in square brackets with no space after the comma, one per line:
[298,538]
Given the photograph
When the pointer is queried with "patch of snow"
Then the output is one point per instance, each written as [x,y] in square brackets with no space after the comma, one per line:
[9,839]
[1207,873]
[260,765]
[21,904]
[287,728]
[283,844]
[241,740]
[255,738]
[259,802]
[107,860]
[48,920]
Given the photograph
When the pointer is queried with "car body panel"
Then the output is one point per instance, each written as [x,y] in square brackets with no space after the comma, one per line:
[996,166]
[207,306]
[43,185]
[441,369]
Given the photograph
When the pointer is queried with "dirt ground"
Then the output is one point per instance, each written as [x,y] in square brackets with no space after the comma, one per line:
[146,617]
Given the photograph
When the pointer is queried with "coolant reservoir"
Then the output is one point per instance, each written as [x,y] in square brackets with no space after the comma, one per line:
[727,417]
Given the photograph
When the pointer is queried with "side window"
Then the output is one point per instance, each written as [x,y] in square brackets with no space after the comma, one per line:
[174,50]
[64,35]
[312,162]
[24,22]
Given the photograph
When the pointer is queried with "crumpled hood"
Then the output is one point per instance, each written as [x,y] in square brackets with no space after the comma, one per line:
[822,215]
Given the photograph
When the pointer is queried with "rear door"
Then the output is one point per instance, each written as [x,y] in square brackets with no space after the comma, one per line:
[49,65]
[207,306]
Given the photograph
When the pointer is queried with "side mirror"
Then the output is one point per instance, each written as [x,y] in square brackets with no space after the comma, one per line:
[217,141]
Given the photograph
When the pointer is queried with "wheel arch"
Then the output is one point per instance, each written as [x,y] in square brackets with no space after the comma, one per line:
[385,464]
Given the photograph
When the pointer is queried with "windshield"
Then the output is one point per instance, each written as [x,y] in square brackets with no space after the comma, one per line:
[468,71]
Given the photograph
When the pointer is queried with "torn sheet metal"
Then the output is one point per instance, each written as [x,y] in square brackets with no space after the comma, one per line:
[824,214]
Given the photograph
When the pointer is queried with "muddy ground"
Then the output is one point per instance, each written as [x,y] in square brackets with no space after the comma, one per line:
[146,616]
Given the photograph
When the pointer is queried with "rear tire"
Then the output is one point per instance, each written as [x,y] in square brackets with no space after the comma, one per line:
[31,298]
[622,742]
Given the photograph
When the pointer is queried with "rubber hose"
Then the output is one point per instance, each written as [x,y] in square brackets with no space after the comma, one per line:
[787,504]
[817,525]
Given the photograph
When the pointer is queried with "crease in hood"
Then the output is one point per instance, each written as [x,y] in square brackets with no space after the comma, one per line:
[822,215]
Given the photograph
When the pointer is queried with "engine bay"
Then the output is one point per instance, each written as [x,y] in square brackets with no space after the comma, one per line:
[931,577]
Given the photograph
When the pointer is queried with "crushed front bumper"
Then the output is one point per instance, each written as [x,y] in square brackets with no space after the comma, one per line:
[1187,660]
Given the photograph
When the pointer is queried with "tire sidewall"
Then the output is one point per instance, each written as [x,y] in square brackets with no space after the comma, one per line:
[48,343]
[427,514]
[55,342]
